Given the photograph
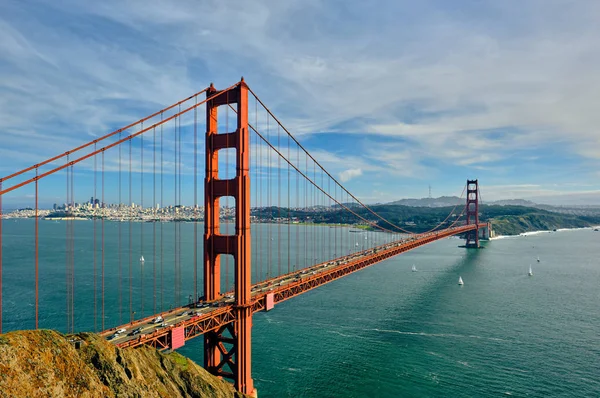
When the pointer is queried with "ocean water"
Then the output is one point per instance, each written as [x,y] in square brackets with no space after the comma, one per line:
[382,332]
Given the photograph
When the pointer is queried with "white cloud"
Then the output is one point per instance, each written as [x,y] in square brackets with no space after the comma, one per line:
[349,174]
[433,81]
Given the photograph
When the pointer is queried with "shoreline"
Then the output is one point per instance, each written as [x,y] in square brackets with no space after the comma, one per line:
[531,233]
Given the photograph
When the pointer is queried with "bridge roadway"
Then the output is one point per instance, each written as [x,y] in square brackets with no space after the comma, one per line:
[203,317]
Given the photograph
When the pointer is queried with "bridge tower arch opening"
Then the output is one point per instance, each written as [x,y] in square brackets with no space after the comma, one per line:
[227,351]
[472,213]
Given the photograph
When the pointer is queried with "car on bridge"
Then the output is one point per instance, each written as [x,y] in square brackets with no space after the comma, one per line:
[135,331]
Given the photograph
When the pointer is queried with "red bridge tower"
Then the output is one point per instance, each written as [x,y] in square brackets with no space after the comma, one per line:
[473,213]
[229,346]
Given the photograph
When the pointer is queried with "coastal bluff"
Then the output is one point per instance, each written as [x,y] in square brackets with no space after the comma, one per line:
[49,364]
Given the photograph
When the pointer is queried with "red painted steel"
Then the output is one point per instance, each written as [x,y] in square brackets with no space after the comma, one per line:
[270,302]
[177,337]
[472,213]
[1,257]
[237,245]
[37,253]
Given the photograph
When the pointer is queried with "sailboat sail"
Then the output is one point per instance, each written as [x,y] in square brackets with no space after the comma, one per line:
[460,281]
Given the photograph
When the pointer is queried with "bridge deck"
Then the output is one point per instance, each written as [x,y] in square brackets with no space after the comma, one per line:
[204,317]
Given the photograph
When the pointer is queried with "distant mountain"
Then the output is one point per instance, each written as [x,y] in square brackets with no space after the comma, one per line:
[513,202]
[447,201]
[442,201]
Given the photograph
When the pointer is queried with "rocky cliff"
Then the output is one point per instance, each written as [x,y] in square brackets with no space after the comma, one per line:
[46,363]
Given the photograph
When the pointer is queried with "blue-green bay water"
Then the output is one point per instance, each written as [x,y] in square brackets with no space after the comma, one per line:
[382,332]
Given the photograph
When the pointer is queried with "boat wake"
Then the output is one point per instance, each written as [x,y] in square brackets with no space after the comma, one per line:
[458,336]
[346,335]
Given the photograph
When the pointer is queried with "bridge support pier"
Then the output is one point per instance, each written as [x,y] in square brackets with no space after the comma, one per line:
[472,213]
[228,350]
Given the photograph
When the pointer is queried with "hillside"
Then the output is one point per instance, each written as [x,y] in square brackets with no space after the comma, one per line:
[506,219]
[44,363]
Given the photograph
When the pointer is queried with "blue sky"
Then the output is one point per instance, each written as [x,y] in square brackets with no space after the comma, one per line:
[391,97]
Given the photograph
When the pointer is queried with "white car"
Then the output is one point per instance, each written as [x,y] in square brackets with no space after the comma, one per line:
[158,319]
[122,330]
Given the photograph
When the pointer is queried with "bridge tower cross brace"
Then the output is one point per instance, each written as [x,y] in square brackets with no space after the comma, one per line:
[473,213]
[237,335]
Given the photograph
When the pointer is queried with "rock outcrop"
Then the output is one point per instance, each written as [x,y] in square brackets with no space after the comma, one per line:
[45,363]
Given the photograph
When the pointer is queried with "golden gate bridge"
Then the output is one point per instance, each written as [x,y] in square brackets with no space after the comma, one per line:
[250,157]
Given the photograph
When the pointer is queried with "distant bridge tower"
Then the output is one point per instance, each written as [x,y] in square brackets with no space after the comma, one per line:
[227,351]
[472,213]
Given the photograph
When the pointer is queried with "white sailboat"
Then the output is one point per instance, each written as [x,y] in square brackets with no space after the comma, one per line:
[414,269]
[538,259]
[142,259]
[530,271]
[460,281]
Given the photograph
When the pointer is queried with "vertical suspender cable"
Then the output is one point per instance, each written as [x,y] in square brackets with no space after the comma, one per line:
[141,212]
[298,207]
[289,218]
[278,203]
[269,166]
[329,208]
[175,210]
[36,251]
[196,201]
[119,244]
[179,196]
[260,194]
[67,251]
[154,209]
[0,257]
[306,212]
[314,203]
[162,212]
[102,226]
[130,216]
[93,205]
[72,254]
[255,184]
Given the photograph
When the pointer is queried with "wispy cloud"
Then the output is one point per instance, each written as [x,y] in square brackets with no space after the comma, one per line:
[441,89]
[349,174]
